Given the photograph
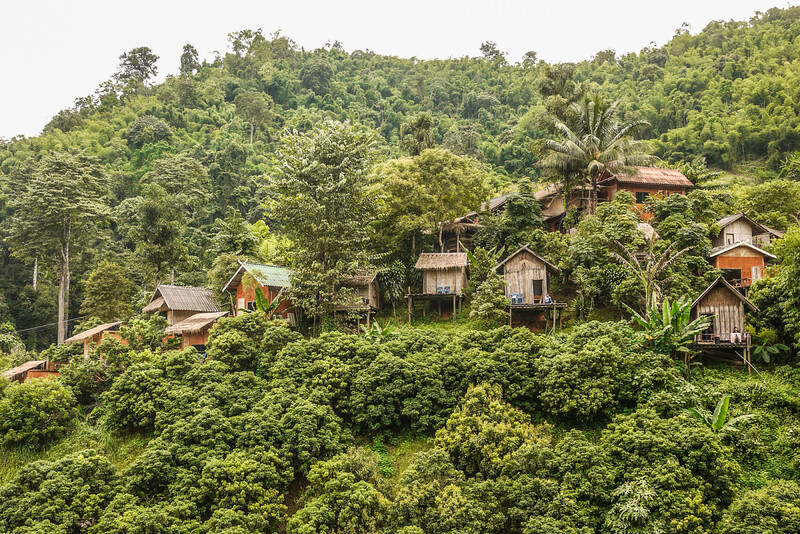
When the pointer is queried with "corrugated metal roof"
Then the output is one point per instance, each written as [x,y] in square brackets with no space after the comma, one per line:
[442,260]
[92,331]
[652,176]
[269,275]
[716,251]
[266,275]
[184,298]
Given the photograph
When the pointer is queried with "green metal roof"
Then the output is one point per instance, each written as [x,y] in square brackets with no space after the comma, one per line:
[269,275]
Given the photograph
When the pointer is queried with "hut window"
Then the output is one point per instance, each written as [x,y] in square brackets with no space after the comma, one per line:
[729,239]
[641,197]
[732,275]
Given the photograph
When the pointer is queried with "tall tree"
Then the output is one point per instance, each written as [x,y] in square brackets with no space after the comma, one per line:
[158,233]
[57,208]
[255,108]
[323,201]
[136,68]
[424,192]
[417,134]
[598,145]
[108,293]
[190,62]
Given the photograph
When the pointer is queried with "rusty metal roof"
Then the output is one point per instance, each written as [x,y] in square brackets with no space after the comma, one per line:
[652,176]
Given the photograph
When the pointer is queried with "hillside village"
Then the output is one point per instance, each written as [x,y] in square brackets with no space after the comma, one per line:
[318,291]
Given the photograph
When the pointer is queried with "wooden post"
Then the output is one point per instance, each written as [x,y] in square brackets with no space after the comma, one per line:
[454,308]
[408,298]
[747,352]
[510,308]
[368,313]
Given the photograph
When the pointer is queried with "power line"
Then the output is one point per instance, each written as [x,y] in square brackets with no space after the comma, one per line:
[49,324]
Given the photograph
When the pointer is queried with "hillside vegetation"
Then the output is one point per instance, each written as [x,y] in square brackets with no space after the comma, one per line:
[336,164]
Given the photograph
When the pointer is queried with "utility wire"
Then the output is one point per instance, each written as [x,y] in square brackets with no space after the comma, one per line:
[49,324]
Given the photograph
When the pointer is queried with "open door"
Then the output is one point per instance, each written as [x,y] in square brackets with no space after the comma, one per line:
[538,290]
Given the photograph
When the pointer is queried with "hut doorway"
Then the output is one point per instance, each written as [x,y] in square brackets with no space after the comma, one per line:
[707,335]
[732,275]
[538,291]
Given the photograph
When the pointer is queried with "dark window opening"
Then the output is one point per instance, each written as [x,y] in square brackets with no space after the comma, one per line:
[641,196]
[732,275]
[538,288]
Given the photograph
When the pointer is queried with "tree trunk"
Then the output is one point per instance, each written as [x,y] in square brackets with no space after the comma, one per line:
[252,127]
[63,283]
[441,243]
[172,276]
[593,197]
[35,273]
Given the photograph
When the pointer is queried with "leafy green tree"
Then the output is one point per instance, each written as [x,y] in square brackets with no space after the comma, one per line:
[392,283]
[255,107]
[484,431]
[35,412]
[181,176]
[108,293]
[323,203]
[775,203]
[598,145]
[136,68]
[489,304]
[148,129]
[58,496]
[57,210]
[424,192]
[774,508]
[158,233]
[417,134]
[317,74]
[190,62]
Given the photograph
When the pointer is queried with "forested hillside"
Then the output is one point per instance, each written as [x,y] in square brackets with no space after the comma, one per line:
[618,412]
[208,134]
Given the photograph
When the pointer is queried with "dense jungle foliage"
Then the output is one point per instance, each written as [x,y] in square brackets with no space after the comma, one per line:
[421,431]
[336,163]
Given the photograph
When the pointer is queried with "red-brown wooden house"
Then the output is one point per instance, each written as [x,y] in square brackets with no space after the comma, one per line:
[269,279]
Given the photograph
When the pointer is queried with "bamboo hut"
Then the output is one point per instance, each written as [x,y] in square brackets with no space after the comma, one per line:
[177,303]
[444,277]
[193,331]
[32,369]
[95,335]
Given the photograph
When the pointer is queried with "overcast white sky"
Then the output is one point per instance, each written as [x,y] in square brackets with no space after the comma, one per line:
[53,51]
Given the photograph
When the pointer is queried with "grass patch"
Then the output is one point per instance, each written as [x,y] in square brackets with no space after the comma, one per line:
[120,449]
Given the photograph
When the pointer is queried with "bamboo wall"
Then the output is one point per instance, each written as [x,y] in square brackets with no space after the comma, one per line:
[727,308]
[520,271]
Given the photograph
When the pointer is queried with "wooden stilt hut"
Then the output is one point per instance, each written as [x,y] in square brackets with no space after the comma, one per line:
[444,277]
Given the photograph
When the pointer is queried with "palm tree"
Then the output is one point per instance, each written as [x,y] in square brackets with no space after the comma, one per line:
[598,145]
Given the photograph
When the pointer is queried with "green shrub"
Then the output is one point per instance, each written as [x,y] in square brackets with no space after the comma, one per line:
[35,412]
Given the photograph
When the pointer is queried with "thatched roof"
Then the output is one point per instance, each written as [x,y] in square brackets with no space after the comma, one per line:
[195,324]
[182,298]
[266,275]
[24,368]
[547,265]
[652,176]
[86,334]
[721,282]
[647,229]
[358,280]
[442,260]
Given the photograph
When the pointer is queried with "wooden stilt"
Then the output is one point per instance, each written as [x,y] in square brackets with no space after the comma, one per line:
[510,308]
[368,314]
[454,309]
[409,308]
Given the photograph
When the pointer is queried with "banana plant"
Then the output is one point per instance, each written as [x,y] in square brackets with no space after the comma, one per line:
[670,330]
[376,333]
[263,305]
[765,350]
[716,421]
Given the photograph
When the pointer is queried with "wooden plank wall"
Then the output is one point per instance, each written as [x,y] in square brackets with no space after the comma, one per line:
[520,272]
[741,230]
[433,278]
[728,309]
